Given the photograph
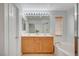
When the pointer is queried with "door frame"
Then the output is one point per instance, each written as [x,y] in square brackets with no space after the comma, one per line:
[6,29]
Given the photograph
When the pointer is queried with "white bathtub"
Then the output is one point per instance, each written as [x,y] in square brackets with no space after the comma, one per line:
[63,49]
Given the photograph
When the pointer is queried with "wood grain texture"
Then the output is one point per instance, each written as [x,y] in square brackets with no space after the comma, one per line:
[37,45]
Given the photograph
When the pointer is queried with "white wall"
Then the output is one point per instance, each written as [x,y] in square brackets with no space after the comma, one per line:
[70,31]
[6,31]
[52,22]
[13,31]
[1,29]
[20,32]
[68,37]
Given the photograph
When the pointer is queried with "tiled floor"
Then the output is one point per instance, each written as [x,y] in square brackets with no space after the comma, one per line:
[38,55]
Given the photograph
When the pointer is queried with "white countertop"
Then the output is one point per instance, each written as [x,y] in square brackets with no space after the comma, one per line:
[37,34]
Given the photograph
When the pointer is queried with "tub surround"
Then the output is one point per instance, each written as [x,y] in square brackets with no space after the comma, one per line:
[61,48]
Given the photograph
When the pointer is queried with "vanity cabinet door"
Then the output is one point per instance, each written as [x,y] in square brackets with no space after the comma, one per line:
[46,45]
[30,45]
[36,44]
[27,45]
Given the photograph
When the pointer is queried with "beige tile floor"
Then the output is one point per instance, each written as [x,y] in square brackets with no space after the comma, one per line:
[38,55]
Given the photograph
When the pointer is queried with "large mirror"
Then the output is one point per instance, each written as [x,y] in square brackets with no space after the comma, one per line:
[36,24]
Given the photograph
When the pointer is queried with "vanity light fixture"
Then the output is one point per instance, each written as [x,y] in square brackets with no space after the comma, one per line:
[37,12]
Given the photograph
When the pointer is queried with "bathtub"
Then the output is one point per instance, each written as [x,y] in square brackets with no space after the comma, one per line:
[63,49]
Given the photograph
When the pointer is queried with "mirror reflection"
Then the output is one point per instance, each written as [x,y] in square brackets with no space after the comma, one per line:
[36,24]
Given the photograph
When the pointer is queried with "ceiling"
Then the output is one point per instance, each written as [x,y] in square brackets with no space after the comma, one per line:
[39,7]
[48,6]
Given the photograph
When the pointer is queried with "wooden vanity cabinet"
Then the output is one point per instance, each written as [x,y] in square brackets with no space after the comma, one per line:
[37,45]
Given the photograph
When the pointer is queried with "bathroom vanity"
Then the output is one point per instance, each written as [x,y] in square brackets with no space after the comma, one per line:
[37,44]
[36,36]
